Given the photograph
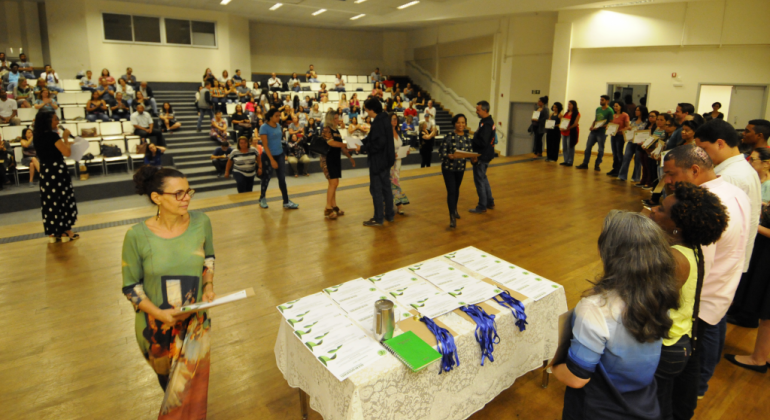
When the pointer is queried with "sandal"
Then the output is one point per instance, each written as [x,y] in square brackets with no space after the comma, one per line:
[330,214]
[338,211]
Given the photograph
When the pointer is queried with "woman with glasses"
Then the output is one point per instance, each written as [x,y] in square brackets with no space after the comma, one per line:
[168,262]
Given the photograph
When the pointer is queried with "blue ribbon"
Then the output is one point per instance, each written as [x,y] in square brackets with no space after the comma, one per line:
[486,331]
[446,345]
[515,306]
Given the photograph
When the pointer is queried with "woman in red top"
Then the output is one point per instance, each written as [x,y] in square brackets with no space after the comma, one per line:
[618,140]
[569,137]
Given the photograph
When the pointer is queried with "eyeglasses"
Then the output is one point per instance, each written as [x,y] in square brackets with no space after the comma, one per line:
[181,194]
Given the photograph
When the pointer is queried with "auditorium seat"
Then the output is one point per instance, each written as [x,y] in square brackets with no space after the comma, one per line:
[123,159]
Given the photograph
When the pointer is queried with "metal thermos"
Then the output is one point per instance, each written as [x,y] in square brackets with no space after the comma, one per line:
[384,320]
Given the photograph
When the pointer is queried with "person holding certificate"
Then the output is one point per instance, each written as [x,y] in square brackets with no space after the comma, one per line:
[553,135]
[428,134]
[452,165]
[399,198]
[569,132]
[331,163]
[537,128]
[633,150]
[621,119]
[168,262]
[604,114]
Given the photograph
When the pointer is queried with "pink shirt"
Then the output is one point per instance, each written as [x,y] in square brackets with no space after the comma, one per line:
[724,259]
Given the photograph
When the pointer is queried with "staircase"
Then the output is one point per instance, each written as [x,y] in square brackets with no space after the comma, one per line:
[190,150]
[443,117]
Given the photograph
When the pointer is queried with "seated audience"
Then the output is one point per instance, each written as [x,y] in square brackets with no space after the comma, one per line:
[46,102]
[5,65]
[297,155]
[238,79]
[23,94]
[87,83]
[154,155]
[315,113]
[375,76]
[30,155]
[144,126]
[398,106]
[126,90]
[168,121]
[96,109]
[208,75]
[312,129]
[51,79]
[224,79]
[619,325]
[218,131]
[323,93]
[244,93]
[410,111]
[147,93]
[218,96]
[419,101]
[274,83]
[377,90]
[26,67]
[219,158]
[107,81]
[130,79]
[231,94]
[120,108]
[11,79]
[139,99]
[311,76]
[339,83]
[294,83]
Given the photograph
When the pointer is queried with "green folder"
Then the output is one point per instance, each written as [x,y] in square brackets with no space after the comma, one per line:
[412,350]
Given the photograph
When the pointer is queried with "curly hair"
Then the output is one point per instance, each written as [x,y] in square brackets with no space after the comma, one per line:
[699,213]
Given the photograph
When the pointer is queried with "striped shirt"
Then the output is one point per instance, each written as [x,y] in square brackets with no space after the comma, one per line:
[244,163]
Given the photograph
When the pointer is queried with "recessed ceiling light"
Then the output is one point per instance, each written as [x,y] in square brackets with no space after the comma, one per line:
[404,6]
[358,17]
[226,1]
[630,3]
[276,6]
[359,1]
[319,12]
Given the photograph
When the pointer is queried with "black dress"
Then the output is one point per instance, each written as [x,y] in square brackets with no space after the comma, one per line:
[333,164]
[57,196]
[752,299]
[553,139]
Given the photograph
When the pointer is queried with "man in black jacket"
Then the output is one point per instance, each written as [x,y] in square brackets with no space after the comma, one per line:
[484,144]
[381,149]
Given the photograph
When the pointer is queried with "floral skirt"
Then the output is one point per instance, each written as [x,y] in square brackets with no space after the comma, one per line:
[399,198]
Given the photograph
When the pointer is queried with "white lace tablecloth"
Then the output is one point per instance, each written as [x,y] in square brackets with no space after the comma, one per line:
[391,391]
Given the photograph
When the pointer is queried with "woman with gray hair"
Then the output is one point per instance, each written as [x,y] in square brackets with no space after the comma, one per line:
[619,324]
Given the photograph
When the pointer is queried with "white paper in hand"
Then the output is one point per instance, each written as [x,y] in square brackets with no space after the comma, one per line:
[536,115]
[550,124]
[78,148]
[564,124]
[353,142]
[612,129]
[402,152]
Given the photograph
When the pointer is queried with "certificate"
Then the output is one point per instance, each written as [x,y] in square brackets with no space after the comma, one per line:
[437,305]
[78,148]
[612,129]
[658,149]
[308,309]
[195,307]
[628,135]
[353,142]
[648,142]
[564,124]
[641,137]
[462,154]
[473,293]
[357,298]
[402,152]
[550,124]
[536,115]
[344,351]
[600,123]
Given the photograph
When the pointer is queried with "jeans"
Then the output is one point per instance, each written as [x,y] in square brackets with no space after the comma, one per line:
[155,134]
[426,153]
[280,173]
[633,151]
[243,183]
[595,137]
[98,116]
[676,375]
[220,165]
[482,185]
[537,142]
[120,115]
[55,88]
[154,106]
[311,80]
[452,181]
[382,195]
[567,150]
[339,88]
[88,89]
[218,104]
[616,143]
[201,114]
[710,346]
[297,89]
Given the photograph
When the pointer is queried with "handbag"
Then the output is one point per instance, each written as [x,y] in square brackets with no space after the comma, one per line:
[141,148]
[319,145]
[88,132]
[110,151]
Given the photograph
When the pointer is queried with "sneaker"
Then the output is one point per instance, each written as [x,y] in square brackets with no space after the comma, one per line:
[639,185]
[478,210]
[290,205]
[564,164]
[263,203]
[581,167]
[372,223]
[597,169]
[646,187]
[31,185]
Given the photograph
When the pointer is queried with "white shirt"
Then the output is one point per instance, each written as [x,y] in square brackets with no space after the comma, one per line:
[431,111]
[142,120]
[274,82]
[50,79]
[293,82]
[375,77]
[724,259]
[339,82]
[740,173]
[7,107]
[128,93]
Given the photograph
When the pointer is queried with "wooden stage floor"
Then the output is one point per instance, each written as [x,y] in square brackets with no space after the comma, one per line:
[68,350]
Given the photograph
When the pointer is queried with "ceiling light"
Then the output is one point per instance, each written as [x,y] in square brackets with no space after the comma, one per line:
[630,3]
[404,6]
[357,17]
[319,12]
[226,1]
[276,6]
[359,1]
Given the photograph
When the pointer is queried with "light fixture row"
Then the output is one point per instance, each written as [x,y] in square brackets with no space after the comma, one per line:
[318,12]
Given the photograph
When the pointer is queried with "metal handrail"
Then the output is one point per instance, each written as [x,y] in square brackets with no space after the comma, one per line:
[457,98]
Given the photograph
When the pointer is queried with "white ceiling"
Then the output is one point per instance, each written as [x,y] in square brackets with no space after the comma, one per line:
[382,13]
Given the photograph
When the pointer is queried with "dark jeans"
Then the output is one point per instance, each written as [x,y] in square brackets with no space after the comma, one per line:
[244,183]
[710,346]
[243,131]
[482,185]
[121,115]
[633,151]
[616,143]
[155,135]
[677,378]
[220,165]
[2,175]
[426,153]
[595,137]
[280,173]
[98,116]
[452,181]
[200,117]
[382,195]
[537,144]
[264,179]
[552,139]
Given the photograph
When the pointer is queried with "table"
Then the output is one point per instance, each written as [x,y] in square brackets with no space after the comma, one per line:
[390,391]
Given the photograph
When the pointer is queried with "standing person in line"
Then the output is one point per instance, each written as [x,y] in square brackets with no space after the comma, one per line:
[692,217]
[452,167]
[245,164]
[682,114]
[553,135]
[168,262]
[724,260]
[381,157]
[633,150]
[753,295]
[603,113]
[714,114]
[399,198]
[331,164]
[57,196]
[756,134]
[619,325]
[204,104]
[618,140]
[427,140]
[483,144]
[569,137]
[537,128]
[271,135]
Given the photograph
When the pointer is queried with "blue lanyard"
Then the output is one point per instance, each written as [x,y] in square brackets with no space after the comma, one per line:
[516,307]
[486,331]
[446,345]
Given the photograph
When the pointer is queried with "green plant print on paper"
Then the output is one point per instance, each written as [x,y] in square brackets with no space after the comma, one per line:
[325,359]
[335,350]
[381,352]
[311,344]
[287,305]
[333,289]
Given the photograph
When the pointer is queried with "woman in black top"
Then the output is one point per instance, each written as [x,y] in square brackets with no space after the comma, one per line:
[30,155]
[96,109]
[57,197]
[714,114]
[275,100]
[241,123]
[332,163]
[553,135]
[537,128]
[167,117]
[453,168]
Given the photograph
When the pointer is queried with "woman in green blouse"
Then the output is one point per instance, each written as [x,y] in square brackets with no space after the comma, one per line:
[168,262]
[453,168]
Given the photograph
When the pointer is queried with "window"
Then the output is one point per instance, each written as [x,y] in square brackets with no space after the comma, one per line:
[178,32]
[117,27]
[187,32]
[145,29]
[204,33]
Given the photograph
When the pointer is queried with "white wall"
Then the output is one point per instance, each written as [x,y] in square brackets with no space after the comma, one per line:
[20,28]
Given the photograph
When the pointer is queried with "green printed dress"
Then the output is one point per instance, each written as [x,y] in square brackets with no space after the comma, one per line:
[169,273]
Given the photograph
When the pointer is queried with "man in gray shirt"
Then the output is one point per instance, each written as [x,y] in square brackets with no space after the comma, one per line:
[144,126]
[376,76]
[204,104]
[25,67]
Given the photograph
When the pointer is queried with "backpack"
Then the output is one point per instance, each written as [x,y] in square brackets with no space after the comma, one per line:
[110,151]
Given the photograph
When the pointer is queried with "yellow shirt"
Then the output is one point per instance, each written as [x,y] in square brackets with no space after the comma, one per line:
[682,316]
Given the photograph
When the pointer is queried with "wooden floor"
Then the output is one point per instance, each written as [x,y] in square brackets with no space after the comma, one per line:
[68,348]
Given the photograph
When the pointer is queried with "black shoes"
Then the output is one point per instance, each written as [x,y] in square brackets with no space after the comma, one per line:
[478,210]
[581,167]
[597,169]
[756,368]
[610,173]
[372,223]
[742,321]
[452,221]
[457,215]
